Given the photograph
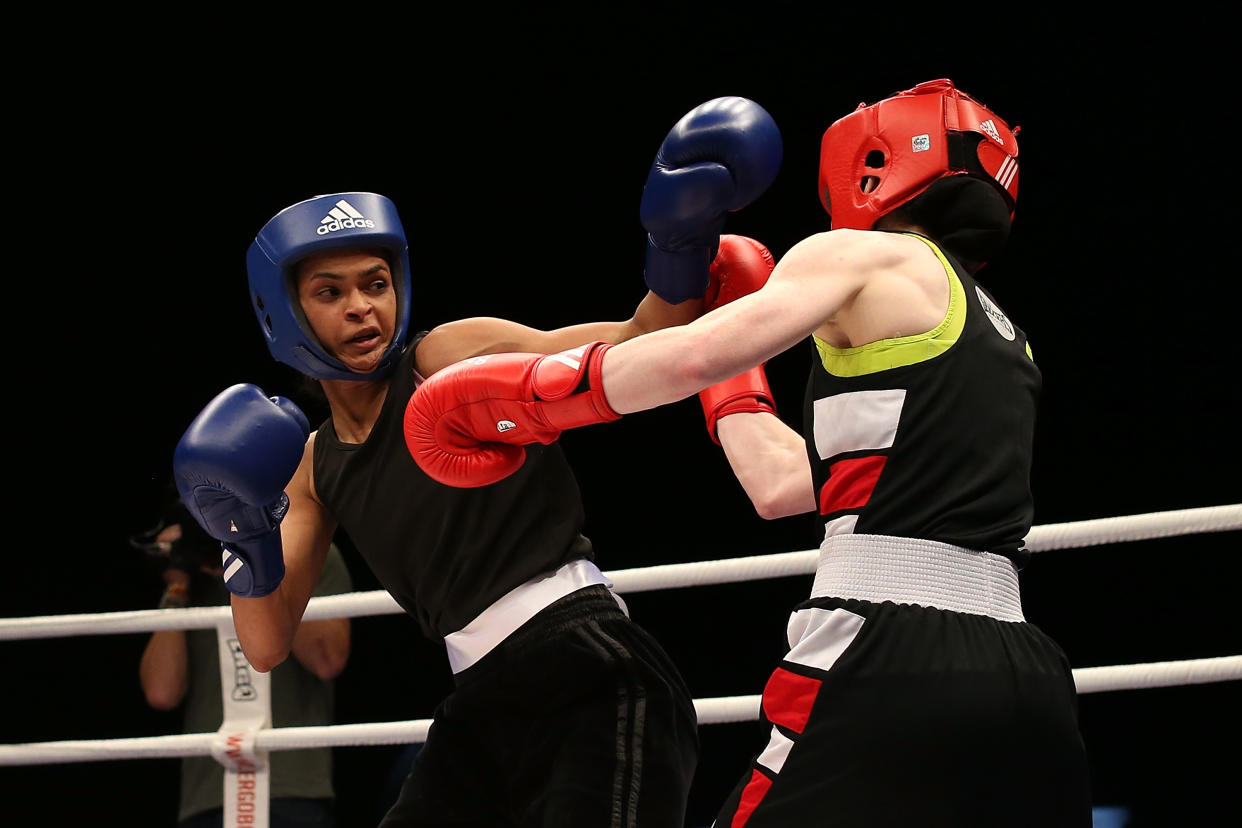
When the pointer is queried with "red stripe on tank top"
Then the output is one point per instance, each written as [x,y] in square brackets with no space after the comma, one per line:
[850,483]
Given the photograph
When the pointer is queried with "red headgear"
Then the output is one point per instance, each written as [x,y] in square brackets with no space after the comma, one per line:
[908,142]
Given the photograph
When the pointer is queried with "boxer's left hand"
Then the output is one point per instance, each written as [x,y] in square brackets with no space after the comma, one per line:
[742,266]
[718,158]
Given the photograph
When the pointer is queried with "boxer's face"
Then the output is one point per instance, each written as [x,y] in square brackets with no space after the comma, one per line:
[350,303]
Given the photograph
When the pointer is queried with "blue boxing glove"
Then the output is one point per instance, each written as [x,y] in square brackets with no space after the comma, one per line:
[718,158]
[231,467]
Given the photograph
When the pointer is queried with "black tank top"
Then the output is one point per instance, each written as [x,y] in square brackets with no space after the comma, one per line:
[445,554]
[929,436]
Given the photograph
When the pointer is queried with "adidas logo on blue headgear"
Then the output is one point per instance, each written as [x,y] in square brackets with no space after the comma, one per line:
[343,215]
[326,222]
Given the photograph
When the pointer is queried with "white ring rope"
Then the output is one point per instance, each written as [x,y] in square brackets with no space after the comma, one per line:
[1134,527]
[667,576]
[710,711]
[721,710]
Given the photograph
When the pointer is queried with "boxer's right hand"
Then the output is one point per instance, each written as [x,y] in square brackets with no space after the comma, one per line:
[231,467]
[466,425]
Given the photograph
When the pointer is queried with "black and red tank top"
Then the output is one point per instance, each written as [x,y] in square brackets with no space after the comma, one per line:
[444,553]
[928,436]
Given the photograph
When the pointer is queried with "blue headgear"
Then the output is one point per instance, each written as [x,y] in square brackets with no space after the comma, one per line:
[323,223]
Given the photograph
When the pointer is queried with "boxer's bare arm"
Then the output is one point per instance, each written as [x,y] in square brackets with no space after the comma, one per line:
[465,338]
[770,462]
[864,282]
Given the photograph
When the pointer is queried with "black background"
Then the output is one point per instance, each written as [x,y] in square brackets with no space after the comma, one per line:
[515,147]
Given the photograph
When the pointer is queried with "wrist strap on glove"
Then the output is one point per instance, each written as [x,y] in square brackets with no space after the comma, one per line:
[254,562]
[570,386]
[748,392]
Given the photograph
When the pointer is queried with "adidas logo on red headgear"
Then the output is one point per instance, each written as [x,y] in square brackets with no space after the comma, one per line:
[343,215]
[990,129]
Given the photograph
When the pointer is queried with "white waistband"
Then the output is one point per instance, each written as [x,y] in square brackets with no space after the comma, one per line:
[494,624]
[912,571]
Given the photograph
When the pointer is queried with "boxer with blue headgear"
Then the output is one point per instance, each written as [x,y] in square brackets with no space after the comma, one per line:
[327,222]
[545,657]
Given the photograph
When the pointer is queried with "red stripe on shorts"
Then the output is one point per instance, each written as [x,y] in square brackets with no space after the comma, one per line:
[788,698]
[752,794]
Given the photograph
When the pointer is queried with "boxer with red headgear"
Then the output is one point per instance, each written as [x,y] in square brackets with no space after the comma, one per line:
[914,692]
[936,153]
[565,712]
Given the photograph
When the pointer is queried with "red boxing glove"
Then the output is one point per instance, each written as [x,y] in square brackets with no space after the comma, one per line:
[742,265]
[466,425]
[746,393]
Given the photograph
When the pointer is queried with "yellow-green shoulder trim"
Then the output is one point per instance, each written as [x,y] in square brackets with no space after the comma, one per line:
[884,354]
